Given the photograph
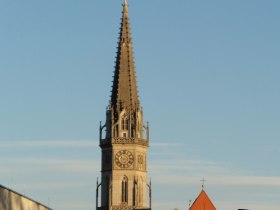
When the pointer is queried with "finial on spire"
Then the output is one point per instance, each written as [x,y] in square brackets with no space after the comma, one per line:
[125,5]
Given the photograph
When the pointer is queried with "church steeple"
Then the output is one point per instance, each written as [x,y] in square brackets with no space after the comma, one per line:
[124,89]
[124,114]
[124,138]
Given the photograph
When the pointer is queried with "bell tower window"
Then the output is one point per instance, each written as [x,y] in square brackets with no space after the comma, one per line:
[124,123]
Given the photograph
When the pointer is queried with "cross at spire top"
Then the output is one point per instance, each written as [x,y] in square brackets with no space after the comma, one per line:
[203,183]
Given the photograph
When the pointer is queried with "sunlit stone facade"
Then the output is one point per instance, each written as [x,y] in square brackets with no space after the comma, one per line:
[124,137]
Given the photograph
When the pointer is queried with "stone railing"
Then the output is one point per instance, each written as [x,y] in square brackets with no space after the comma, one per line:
[124,140]
[122,207]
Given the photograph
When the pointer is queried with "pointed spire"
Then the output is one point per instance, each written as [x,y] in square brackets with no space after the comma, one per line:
[124,89]
[125,7]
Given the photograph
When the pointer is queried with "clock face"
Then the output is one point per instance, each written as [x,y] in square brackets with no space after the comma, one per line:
[124,159]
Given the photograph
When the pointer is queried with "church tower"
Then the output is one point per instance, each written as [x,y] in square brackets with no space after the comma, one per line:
[124,138]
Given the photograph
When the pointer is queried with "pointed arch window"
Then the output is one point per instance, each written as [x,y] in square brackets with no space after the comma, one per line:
[124,123]
[140,191]
[125,190]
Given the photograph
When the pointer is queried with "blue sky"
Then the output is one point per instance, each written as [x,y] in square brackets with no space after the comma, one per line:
[208,75]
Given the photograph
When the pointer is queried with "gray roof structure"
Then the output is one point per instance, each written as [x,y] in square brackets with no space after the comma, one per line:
[3,188]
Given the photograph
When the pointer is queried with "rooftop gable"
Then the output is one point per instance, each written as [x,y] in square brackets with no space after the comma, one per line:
[202,202]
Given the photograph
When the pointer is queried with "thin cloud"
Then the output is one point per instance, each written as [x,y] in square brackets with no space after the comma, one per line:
[49,144]
[185,171]
[167,145]
[220,180]
[171,167]
[246,180]
[59,185]
[52,164]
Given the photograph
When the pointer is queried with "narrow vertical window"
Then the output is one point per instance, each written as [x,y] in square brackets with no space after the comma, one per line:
[125,190]
[140,191]
[124,123]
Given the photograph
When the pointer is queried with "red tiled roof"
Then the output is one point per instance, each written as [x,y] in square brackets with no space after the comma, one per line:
[202,202]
